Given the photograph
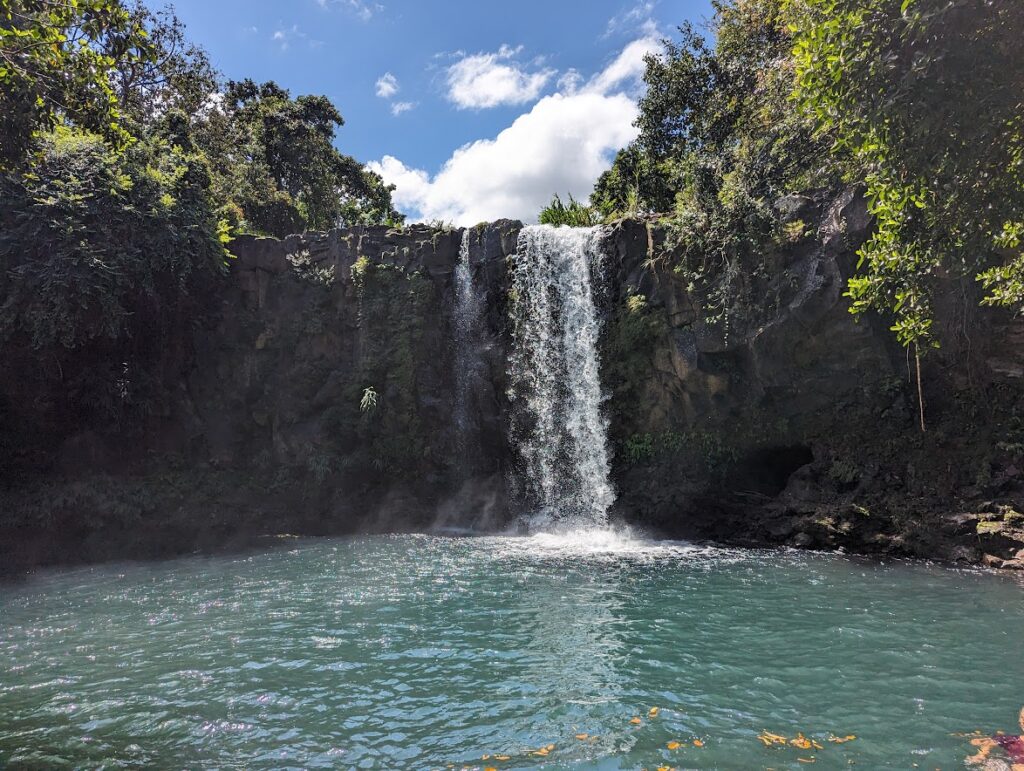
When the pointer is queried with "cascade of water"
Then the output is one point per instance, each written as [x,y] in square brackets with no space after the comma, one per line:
[555,385]
[468,314]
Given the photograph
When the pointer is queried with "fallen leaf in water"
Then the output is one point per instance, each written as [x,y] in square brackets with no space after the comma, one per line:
[768,739]
[673,745]
[485,757]
[581,737]
[653,712]
[503,757]
[550,747]
[801,741]
[542,751]
[635,721]
[665,768]
[841,739]
[807,760]
[698,743]
[490,768]
[816,745]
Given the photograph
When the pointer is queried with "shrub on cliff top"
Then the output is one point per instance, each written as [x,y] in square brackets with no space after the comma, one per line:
[96,244]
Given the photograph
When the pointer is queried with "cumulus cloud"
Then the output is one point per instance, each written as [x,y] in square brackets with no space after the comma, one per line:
[479,81]
[397,108]
[562,144]
[387,86]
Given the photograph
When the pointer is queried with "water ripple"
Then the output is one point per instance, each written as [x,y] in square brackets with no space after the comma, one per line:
[420,651]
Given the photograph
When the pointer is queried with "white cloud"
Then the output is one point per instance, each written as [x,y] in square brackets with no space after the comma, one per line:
[638,17]
[486,80]
[387,86]
[361,8]
[285,36]
[364,9]
[626,70]
[397,108]
[562,144]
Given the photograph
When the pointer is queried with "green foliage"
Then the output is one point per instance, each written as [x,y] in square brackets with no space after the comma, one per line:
[708,448]
[97,244]
[923,99]
[57,59]
[636,184]
[170,74]
[107,262]
[575,214]
[274,156]
[719,143]
[639,448]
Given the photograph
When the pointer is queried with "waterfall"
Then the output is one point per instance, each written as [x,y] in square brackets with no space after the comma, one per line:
[468,314]
[558,426]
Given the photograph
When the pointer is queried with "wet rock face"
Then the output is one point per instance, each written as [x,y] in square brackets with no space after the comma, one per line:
[788,420]
[334,357]
[737,401]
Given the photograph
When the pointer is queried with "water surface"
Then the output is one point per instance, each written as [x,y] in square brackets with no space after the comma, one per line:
[420,651]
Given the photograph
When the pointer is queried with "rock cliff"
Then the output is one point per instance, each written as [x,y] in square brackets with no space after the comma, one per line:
[320,400]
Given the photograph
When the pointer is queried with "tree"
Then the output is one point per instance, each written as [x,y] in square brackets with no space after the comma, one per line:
[56,62]
[275,157]
[718,138]
[719,143]
[108,260]
[97,244]
[925,98]
[172,73]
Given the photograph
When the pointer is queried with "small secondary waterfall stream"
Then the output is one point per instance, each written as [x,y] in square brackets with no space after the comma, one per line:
[558,427]
[468,315]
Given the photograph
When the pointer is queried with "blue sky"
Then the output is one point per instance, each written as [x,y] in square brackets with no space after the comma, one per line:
[475,110]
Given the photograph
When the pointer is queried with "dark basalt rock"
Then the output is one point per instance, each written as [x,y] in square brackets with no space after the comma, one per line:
[786,422]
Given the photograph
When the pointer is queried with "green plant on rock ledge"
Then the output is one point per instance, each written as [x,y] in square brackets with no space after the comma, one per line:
[573,214]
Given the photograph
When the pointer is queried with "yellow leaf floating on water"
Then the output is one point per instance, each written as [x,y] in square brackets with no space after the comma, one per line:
[768,739]
[807,760]
[841,739]
[801,741]
[503,757]
[654,712]
[698,743]
[542,751]
[816,745]
[635,721]
[485,757]
[673,745]
[582,737]
[490,768]
[665,768]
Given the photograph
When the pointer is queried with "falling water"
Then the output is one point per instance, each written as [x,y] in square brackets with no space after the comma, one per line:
[555,386]
[467,315]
